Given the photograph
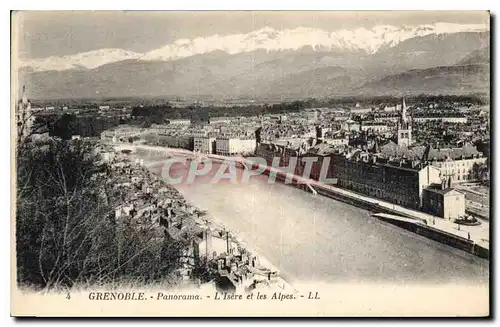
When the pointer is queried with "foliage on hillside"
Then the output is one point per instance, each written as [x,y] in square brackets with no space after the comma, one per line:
[66,233]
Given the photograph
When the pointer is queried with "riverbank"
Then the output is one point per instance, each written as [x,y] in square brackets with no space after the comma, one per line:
[476,238]
[439,235]
[279,282]
[262,273]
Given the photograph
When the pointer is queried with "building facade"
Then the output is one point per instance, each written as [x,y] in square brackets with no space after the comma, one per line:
[360,111]
[400,183]
[229,146]
[204,144]
[336,140]
[374,127]
[451,119]
[220,120]
[460,170]
[447,203]
[179,121]
[351,126]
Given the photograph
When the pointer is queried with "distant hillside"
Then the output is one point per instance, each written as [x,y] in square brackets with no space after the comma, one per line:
[320,82]
[481,56]
[463,79]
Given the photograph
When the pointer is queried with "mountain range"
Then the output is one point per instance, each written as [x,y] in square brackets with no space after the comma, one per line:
[303,62]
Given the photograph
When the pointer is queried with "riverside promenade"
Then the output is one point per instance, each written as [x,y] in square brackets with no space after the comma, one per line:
[477,234]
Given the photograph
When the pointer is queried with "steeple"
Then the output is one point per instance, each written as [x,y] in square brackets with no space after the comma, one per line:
[404,118]
[404,127]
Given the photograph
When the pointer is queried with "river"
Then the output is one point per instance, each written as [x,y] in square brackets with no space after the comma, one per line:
[313,238]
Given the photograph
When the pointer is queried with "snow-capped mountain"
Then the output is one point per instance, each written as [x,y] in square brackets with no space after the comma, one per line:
[86,60]
[364,40]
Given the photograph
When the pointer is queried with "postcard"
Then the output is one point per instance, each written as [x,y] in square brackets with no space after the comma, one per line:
[250,164]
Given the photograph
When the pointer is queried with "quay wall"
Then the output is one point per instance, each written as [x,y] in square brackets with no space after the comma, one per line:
[435,234]
[441,236]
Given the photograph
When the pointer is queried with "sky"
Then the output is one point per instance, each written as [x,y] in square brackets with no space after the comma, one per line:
[49,33]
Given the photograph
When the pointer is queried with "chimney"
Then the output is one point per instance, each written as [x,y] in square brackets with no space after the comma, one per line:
[227,242]
[449,182]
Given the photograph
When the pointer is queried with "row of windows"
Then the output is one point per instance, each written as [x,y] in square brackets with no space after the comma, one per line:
[401,198]
[371,186]
[463,163]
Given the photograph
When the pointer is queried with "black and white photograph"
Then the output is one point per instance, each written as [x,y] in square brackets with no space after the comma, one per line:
[251,163]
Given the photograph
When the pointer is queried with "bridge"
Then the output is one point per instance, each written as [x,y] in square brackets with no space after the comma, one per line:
[239,161]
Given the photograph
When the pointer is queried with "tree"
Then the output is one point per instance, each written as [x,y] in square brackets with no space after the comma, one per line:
[66,230]
[59,209]
[480,172]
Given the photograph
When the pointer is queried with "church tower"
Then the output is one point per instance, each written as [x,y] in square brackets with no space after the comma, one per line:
[404,127]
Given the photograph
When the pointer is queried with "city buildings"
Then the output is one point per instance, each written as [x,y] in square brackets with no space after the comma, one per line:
[230,146]
[351,126]
[312,115]
[179,121]
[397,181]
[204,144]
[457,163]
[386,117]
[360,111]
[375,127]
[220,120]
[121,134]
[441,117]
[335,140]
